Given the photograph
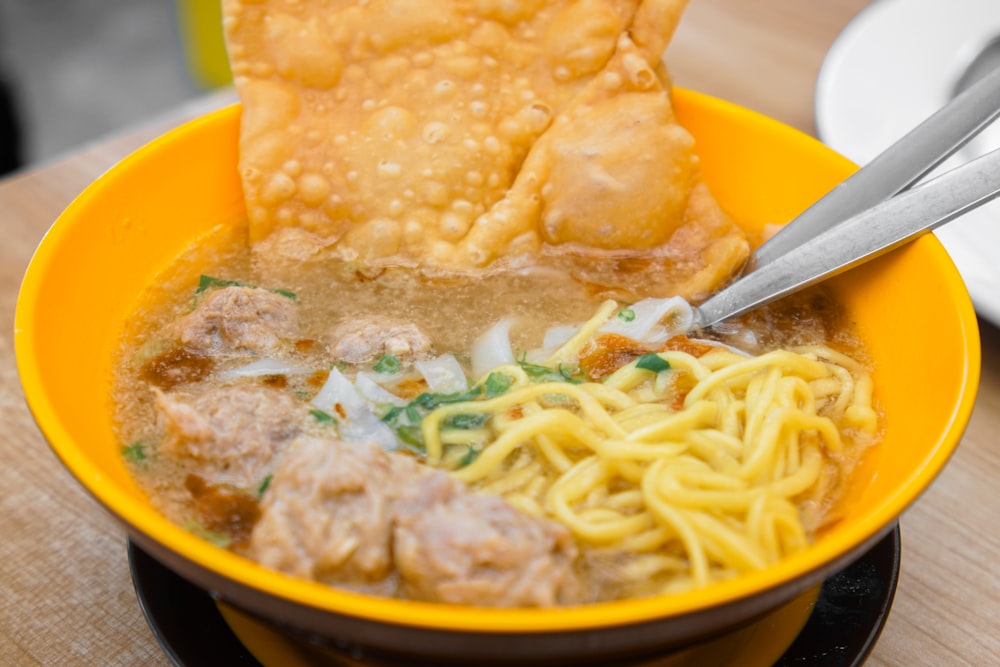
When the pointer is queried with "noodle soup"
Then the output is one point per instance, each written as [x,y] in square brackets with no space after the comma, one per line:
[518,438]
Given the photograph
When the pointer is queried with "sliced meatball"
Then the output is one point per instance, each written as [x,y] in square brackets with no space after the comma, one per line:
[238,320]
[355,515]
[231,434]
[360,341]
[327,513]
[452,546]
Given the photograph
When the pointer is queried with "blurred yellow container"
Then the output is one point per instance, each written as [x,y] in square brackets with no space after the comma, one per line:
[200,24]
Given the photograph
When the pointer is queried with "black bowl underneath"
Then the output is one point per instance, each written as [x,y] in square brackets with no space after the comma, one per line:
[841,630]
[445,648]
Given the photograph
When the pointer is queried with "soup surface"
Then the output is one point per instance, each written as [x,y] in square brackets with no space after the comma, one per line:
[517,438]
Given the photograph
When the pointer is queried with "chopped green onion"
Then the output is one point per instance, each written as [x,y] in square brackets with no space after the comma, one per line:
[626,314]
[652,362]
[387,365]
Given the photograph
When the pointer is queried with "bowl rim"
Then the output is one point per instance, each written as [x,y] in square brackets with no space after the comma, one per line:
[142,519]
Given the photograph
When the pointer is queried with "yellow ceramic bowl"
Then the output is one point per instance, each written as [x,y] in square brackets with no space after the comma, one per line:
[910,306]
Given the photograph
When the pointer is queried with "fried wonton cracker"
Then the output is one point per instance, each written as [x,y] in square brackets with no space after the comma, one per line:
[458,133]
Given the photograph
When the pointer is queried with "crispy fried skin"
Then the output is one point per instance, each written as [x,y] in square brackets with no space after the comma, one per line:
[453,134]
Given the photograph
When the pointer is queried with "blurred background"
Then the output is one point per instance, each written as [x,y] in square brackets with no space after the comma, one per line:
[76,70]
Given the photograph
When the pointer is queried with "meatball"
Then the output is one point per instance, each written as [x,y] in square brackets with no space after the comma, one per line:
[327,513]
[455,547]
[357,516]
[238,320]
[229,434]
[364,340]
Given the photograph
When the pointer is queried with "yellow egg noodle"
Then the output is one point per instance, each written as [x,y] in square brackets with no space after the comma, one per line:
[695,490]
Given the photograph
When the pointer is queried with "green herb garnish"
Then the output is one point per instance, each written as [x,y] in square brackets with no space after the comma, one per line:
[495,385]
[263,485]
[391,413]
[387,365]
[208,282]
[470,455]
[652,362]
[323,417]
[540,373]
[134,453]
[626,314]
[405,420]
[410,435]
[465,421]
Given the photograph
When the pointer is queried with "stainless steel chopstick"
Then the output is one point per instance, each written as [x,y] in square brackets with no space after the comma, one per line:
[859,238]
[894,170]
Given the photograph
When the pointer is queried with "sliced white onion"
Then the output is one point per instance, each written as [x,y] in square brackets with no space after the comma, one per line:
[443,374]
[558,335]
[553,338]
[492,348]
[356,421]
[655,320]
[373,392]
[263,367]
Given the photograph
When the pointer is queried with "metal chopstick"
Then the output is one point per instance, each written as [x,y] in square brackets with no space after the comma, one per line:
[895,169]
[859,238]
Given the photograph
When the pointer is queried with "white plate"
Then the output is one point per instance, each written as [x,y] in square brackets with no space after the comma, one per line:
[894,65]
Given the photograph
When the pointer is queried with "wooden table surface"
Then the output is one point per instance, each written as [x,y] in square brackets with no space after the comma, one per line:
[65,589]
